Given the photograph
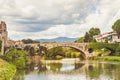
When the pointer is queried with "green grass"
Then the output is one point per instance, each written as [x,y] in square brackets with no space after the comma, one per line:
[107,58]
[7,70]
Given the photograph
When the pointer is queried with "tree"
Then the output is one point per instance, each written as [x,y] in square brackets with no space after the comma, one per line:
[94,31]
[89,35]
[16,57]
[81,40]
[53,52]
[116,26]
[27,41]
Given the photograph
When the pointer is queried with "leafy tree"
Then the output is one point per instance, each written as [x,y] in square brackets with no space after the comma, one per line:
[16,57]
[94,31]
[116,26]
[81,40]
[89,35]
[117,52]
[27,41]
[52,53]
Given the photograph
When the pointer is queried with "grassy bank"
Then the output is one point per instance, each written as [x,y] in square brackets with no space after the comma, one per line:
[7,70]
[107,58]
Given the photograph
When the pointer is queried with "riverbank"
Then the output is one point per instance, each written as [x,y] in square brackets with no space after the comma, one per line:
[106,58]
[7,70]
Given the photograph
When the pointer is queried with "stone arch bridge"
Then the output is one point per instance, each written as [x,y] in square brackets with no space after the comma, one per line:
[81,47]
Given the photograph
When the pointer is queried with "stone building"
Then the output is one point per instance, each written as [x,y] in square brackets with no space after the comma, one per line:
[3,36]
[110,37]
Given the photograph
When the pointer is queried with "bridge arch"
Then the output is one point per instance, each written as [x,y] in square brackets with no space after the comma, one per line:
[81,47]
[83,53]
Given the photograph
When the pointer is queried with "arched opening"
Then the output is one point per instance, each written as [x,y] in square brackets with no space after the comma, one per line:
[57,51]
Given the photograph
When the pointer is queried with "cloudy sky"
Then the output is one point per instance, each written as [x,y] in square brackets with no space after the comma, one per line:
[38,19]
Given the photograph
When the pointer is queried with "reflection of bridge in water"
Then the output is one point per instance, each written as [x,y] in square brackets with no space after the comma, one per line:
[59,68]
[81,47]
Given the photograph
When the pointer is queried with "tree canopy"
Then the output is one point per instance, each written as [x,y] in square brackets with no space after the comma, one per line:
[88,37]
[27,41]
[116,26]
[94,31]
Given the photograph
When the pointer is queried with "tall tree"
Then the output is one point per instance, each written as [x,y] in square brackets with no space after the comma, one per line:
[116,26]
[94,31]
[87,37]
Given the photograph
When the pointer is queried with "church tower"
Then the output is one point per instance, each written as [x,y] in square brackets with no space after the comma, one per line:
[3,36]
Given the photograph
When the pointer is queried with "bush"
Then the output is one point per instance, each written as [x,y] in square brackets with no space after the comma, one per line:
[59,57]
[105,47]
[117,52]
[16,57]
[7,70]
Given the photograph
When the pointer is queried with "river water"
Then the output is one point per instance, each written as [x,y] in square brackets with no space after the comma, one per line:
[69,70]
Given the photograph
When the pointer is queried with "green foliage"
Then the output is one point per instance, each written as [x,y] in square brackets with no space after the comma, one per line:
[116,26]
[118,51]
[27,41]
[59,53]
[16,57]
[106,46]
[59,57]
[96,46]
[88,37]
[80,40]
[94,31]
[107,58]
[52,53]
[7,70]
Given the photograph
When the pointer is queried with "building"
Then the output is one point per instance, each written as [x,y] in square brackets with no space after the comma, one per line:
[3,36]
[110,37]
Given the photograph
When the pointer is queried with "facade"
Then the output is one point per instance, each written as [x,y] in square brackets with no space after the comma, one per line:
[110,37]
[3,36]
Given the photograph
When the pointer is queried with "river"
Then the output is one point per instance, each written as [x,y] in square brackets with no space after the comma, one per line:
[70,70]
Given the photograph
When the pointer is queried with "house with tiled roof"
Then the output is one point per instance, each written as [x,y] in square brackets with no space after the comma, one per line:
[110,37]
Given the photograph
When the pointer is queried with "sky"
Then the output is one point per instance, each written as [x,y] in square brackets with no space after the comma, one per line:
[38,19]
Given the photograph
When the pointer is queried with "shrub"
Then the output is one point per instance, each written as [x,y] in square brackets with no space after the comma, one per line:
[117,53]
[16,57]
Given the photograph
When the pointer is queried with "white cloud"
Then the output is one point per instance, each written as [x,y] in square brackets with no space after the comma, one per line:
[53,18]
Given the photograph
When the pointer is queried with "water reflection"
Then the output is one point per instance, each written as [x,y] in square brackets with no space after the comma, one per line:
[88,70]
